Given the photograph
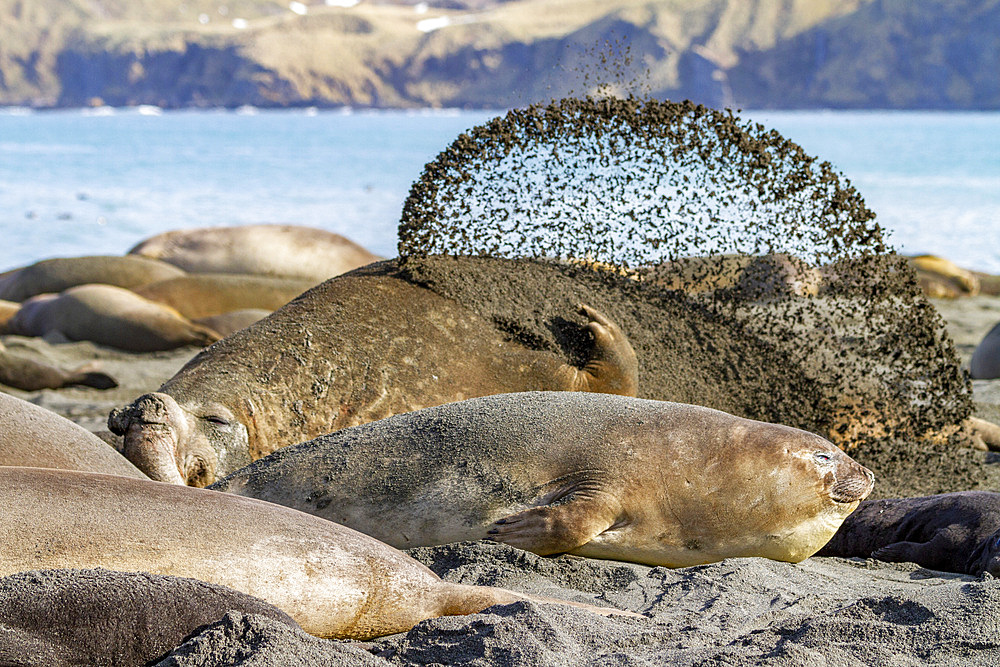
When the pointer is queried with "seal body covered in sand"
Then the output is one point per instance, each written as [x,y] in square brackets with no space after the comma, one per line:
[333,581]
[35,437]
[100,617]
[952,532]
[273,250]
[111,316]
[357,348]
[589,474]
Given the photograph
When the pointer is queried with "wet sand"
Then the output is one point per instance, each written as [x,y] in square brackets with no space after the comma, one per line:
[742,611]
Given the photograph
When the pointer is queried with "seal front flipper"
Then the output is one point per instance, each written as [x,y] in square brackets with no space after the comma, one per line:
[903,552]
[612,367]
[567,523]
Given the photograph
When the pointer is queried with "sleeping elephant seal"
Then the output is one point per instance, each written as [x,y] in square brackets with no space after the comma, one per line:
[590,474]
[333,581]
[985,362]
[357,348]
[290,251]
[61,273]
[111,316]
[30,375]
[951,532]
[35,437]
[98,617]
[205,294]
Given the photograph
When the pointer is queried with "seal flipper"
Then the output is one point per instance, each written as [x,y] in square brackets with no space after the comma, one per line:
[566,524]
[899,552]
[612,367]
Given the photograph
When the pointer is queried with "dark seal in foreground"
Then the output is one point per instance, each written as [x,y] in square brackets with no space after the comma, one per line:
[953,532]
[591,474]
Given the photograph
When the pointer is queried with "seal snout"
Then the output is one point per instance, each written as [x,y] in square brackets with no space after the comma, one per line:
[854,482]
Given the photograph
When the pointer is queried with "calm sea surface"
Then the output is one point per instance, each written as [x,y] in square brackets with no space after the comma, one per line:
[76,183]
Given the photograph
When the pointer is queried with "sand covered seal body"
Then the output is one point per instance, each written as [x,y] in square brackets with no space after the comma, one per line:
[101,617]
[61,273]
[35,437]
[357,348]
[274,250]
[111,316]
[335,582]
[589,474]
[952,532]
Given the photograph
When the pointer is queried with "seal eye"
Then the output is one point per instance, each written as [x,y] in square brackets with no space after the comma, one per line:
[218,421]
[823,457]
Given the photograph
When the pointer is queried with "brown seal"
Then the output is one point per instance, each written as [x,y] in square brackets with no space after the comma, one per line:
[205,294]
[30,375]
[335,582]
[952,532]
[35,437]
[985,362]
[590,474]
[56,275]
[357,348]
[110,316]
[67,618]
[272,250]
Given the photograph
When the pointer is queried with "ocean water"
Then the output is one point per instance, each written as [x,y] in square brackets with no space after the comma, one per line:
[78,182]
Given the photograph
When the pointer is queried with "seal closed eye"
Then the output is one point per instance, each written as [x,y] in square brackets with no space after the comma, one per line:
[589,474]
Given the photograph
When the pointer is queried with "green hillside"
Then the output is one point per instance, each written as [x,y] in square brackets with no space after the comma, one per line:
[486,53]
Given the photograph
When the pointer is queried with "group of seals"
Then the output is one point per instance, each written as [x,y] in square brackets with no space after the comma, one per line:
[953,532]
[590,474]
[334,582]
[357,348]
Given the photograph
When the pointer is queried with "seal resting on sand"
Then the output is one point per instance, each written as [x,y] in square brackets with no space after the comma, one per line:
[33,436]
[111,316]
[590,474]
[952,532]
[357,348]
[100,617]
[291,251]
[335,582]
[61,273]
[985,362]
[30,375]
[205,294]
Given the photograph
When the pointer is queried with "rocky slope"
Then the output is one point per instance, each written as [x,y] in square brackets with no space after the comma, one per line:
[489,53]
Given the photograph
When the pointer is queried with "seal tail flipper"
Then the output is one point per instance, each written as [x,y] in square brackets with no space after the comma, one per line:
[98,380]
[556,528]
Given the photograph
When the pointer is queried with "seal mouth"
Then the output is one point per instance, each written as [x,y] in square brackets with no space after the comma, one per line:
[853,489]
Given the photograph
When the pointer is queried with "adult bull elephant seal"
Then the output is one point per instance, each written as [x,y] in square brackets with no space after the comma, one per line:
[100,617]
[357,348]
[30,375]
[333,581]
[272,250]
[61,273]
[590,474]
[952,532]
[33,436]
[110,316]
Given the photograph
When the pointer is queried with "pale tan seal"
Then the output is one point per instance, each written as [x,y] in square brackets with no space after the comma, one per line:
[231,322]
[943,279]
[35,437]
[110,316]
[333,581]
[27,374]
[273,250]
[7,310]
[58,274]
[590,474]
[357,348]
[202,295]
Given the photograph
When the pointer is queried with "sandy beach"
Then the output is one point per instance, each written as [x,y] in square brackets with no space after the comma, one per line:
[829,611]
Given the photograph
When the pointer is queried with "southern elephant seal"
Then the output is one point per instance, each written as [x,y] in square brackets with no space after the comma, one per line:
[35,437]
[205,294]
[985,362]
[357,348]
[335,582]
[8,309]
[952,532]
[590,474]
[231,322]
[273,250]
[101,617]
[30,375]
[943,279]
[61,273]
[111,316]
